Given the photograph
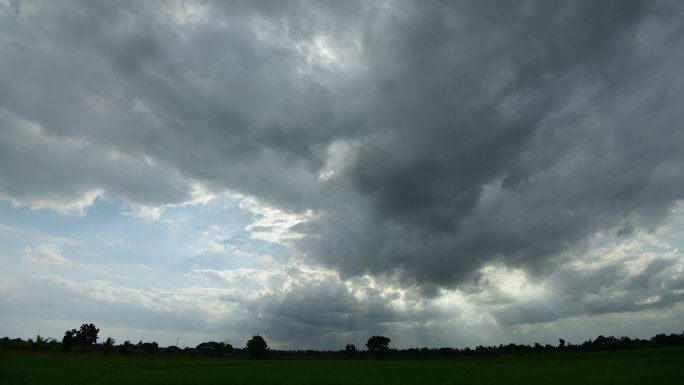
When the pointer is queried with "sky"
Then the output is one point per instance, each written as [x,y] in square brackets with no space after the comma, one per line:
[441,173]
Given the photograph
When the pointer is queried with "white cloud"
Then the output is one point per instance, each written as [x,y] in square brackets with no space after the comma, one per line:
[274,225]
[198,195]
[76,206]
[45,254]
[339,155]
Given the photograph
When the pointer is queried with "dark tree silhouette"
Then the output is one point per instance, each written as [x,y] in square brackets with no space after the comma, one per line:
[350,349]
[87,335]
[126,348]
[378,344]
[83,337]
[561,343]
[43,343]
[108,345]
[172,350]
[210,348]
[257,346]
[150,348]
[69,340]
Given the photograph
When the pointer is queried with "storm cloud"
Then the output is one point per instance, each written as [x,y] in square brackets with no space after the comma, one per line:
[414,143]
[507,133]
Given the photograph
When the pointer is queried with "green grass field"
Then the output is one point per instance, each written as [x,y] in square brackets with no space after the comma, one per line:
[649,366]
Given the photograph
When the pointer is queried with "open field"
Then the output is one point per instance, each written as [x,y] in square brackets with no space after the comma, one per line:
[651,366]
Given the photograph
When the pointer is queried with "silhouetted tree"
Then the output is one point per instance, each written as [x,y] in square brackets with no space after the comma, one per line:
[663,340]
[43,343]
[172,350]
[108,345]
[256,346]
[378,344]
[82,338]
[87,334]
[350,349]
[126,348]
[69,340]
[150,348]
[210,348]
[561,343]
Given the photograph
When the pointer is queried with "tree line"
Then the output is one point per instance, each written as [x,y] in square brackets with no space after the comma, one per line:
[84,340]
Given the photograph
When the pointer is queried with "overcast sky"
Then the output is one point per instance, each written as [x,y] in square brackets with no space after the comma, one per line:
[442,173]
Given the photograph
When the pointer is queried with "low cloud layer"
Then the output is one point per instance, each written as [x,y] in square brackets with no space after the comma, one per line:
[626,285]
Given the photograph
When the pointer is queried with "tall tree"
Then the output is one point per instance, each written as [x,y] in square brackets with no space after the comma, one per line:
[378,344]
[85,336]
[257,346]
[70,340]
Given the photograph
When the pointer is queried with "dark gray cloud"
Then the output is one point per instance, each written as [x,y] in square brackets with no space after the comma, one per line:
[501,132]
[473,132]
[316,308]
[125,77]
[68,172]
[15,5]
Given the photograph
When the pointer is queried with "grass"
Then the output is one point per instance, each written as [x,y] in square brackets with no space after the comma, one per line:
[652,366]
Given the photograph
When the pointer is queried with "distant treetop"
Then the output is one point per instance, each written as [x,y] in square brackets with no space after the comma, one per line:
[378,344]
